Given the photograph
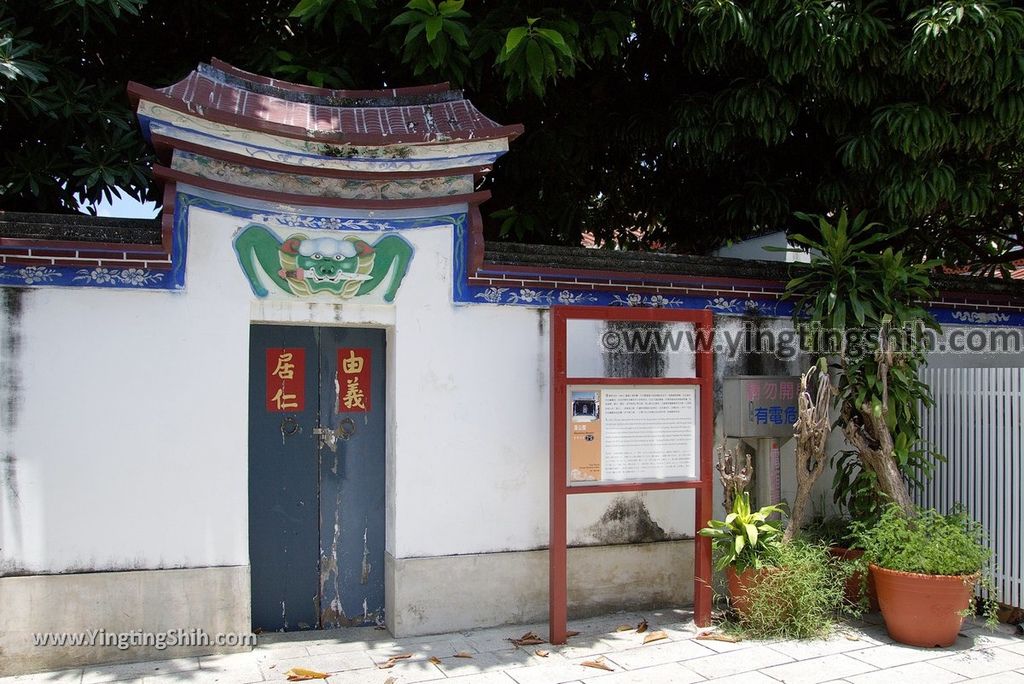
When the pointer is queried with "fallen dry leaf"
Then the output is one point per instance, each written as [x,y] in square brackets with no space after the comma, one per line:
[434,659]
[642,627]
[597,664]
[528,639]
[393,660]
[624,628]
[301,674]
[542,653]
[389,680]
[463,654]
[655,636]
[717,636]
[571,633]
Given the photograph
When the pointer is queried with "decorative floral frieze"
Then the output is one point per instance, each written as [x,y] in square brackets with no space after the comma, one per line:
[506,295]
[130,277]
[741,306]
[656,301]
[323,186]
[980,317]
[98,276]
[30,275]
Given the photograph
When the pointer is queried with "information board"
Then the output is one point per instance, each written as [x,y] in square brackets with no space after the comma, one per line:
[632,434]
[618,428]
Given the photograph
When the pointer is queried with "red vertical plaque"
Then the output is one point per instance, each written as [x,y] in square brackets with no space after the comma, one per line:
[353,380]
[286,379]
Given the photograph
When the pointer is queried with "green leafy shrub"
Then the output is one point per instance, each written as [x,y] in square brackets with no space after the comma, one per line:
[930,543]
[799,599]
[745,539]
[832,530]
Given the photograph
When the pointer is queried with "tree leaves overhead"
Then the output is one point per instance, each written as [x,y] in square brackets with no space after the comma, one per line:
[68,137]
[649,122]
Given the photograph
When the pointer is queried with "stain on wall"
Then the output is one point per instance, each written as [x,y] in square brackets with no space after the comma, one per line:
[625,521]
[543,363]
[11,307]
[649,363]
[751,346]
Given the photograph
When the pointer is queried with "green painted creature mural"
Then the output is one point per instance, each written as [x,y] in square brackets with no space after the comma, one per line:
[346,266]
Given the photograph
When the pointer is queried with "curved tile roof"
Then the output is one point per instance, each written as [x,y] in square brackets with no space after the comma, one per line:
[400,115]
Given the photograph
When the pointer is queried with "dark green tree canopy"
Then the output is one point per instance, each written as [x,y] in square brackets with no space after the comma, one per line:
[652,122]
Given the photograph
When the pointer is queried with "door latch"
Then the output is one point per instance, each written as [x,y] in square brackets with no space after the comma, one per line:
[329,438]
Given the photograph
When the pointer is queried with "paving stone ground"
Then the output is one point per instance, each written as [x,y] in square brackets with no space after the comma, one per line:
[859,652]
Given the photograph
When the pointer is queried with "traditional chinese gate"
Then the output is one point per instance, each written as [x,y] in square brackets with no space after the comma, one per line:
[316,476]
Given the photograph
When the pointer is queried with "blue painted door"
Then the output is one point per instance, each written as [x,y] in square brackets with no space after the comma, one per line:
[316,476]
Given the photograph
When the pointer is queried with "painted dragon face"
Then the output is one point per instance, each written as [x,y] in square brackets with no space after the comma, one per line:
[341,265]
[336,265]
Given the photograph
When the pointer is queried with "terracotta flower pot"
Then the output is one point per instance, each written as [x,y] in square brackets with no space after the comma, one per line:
[854,583]
[739,582]
[923,610]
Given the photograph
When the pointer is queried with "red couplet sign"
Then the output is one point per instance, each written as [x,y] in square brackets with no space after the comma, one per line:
[286,379]
[353,380]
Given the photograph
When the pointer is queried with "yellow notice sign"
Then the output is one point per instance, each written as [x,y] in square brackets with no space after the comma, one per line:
[585,437]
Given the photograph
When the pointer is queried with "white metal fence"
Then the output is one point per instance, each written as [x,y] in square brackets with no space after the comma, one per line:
[976,424]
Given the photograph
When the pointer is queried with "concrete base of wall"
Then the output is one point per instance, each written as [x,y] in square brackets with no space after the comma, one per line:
[448,593]
[215,600]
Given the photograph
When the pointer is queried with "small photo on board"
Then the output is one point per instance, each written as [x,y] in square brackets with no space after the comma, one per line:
[585,407]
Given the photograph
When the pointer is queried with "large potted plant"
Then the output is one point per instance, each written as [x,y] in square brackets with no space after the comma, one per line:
[746,546]
[861,304]
[925,567]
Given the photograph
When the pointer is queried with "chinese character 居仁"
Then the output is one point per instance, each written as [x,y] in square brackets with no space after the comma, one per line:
[285,368]
[284,401]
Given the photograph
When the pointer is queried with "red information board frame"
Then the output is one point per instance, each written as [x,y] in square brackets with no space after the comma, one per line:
[560,489]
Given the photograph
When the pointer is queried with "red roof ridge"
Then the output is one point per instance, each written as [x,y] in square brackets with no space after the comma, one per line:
[328,92]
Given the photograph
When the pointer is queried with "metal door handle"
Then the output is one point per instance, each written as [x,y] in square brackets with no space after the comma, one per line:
[289,426]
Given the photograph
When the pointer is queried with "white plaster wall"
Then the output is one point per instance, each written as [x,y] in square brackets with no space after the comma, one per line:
[126,442]
[130,436]
[472,413]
